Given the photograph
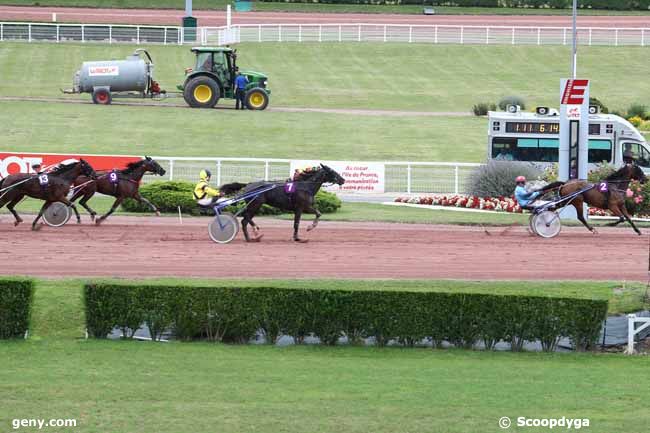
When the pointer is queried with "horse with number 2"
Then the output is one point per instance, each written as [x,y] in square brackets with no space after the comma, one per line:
[609,194]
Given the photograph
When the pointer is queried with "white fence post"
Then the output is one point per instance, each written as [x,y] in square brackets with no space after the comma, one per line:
[219,172]
[384,32]
[590,35]
[58,39]
[643,37]
[300,33]
[320,33]
[259,33]
[83,36]
[2,32]
[513,36]
[539,36]
[266,170]
[280,33]
[435,34]
[408,178]
[616,37]
[165,36]
[110,34]
[410,34]
[462,34]
[359,33]
[456,180]
[564,37]
[29,32]
[487,36]
[339,32]
[171,169]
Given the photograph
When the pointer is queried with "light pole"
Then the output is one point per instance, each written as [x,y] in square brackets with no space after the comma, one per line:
[574,58]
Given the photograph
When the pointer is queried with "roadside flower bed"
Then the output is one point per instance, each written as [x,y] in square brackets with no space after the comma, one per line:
[497,204]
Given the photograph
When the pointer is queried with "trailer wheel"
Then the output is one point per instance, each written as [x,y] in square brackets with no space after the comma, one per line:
[102,96]
[256,99]
[201,92]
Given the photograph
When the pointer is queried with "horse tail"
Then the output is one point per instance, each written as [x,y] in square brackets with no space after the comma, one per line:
[232,188]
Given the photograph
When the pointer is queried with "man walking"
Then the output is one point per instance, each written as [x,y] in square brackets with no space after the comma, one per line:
[240,91]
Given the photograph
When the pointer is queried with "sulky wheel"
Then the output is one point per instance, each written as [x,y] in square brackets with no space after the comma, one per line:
[102,96]
[201,92]
[256,99]
[57,214]
[223,228]
[547,224]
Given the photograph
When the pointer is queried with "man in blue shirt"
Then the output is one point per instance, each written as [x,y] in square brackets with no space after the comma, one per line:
[523,197]
[240,91]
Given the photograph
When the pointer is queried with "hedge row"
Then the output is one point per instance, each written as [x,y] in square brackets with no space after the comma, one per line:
[231,314]
[169,195]
[15,306]
[554,4]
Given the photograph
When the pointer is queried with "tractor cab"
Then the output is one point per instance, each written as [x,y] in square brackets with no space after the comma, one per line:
[213,76]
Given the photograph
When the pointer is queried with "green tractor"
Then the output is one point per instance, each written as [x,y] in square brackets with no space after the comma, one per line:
[213,77]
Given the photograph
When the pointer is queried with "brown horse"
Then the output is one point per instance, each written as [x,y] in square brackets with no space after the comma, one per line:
[120,184]
[51,187]
[608,193]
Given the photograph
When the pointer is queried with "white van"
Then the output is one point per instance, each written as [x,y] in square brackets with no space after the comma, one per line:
[522,136]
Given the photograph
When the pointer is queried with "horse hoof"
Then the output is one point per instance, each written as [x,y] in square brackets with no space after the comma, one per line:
[98,222]
[258,238]
[92,217]
[311,227]
[302,241]
[36,228]
[157,213]
[16,223]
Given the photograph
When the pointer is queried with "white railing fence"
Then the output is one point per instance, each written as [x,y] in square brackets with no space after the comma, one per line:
[401,177]
[430,34]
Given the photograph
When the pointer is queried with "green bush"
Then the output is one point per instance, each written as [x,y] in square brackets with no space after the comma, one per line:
[638,110]
[168,195]
[235,314]
[16,296]
[497,178]
[512,100]
[482,108]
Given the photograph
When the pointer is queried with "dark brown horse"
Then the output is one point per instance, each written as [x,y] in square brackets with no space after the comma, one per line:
[608,194]
[298,196]
[51,187]
[120,184]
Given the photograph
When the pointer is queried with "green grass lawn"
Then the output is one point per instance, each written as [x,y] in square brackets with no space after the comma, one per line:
[412,77]
[60,127]
[279,6]
[143,387]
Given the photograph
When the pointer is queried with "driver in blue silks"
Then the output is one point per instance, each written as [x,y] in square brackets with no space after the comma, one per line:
[523,197]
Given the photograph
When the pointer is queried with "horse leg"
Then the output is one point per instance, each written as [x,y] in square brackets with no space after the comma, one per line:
[617,222]
[40,214]
[578,205]
[247,219]
[83,202]
[141,200]
[626,215]
[117,202]
[314,223]
[296,223]
[11,205]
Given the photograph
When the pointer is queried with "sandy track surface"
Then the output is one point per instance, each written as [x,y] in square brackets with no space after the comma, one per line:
[149,247]
[218,18]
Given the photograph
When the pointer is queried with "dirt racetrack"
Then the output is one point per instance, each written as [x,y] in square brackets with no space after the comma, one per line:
[151,247]
[218,18]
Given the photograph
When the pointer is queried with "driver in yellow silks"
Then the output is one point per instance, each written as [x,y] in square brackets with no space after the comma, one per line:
[204,194]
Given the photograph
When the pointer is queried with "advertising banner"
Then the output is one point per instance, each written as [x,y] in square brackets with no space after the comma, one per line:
[360,177]
[19,162]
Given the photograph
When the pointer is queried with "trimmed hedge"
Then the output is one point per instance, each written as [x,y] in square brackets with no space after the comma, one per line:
[235,314]
[168,195]
[16,297]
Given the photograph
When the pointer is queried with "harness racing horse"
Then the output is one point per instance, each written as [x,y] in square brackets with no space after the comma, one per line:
[608,193]
[297,196]
[120,184]
[51,187]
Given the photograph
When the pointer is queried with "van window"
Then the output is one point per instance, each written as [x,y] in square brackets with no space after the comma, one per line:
[546,150]
[640,152]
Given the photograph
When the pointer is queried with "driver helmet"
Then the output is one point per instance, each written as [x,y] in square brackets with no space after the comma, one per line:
[205,175]
[520,179]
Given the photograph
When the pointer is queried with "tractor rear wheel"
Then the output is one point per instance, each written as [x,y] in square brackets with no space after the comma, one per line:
[201,92]
[256,99]
[102,96]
